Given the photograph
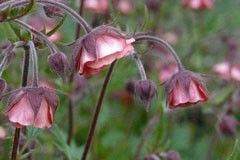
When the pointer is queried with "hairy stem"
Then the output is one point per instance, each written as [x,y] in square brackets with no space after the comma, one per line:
[80,12]
[140,66]
[34,63]
[97,111]
[61,6]
[24,83]
[145,134]
[40,35]
[147,37]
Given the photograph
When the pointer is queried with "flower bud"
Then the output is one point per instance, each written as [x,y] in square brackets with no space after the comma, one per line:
[198,4]
[32,106]
[228,125]
[173,155]
[58,63]
[154,5]
[124,6]
[146,90]
[96,6]
[185,88]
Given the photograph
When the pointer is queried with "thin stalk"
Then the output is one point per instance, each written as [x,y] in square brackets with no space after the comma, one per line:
[212,145]
[34,63]
[70,120]
[61,6]
[40,35]
[145,134]
[80,12]
[24,83]
[142,37]
[97,111]
[140,66]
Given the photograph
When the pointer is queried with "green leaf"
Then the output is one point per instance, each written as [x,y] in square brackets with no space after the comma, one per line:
[57,26]
[235,155]
[17,13]
[32,132]
[60,141]
[146,19]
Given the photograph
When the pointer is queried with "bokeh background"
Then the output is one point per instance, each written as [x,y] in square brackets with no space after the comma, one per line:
[202,38]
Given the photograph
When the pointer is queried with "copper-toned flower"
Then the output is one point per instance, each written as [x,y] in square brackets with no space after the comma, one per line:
[227,71]
[185,88]
[32,106]
[198,4]
[96,6]
[124,6]
[100,48]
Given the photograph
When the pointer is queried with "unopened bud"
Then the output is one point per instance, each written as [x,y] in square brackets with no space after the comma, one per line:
[228,125]
[58,63]
[173,155]
[146,90]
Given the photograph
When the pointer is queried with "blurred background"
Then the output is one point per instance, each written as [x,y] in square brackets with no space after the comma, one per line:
[207,40]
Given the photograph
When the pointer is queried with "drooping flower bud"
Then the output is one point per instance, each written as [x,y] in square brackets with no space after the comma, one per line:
[3,86]
[173,155]
[96,6]
[185,88]
[32,106]
[100,48]
[228,125]
[198,4]
[58,63]
[146,90]
[154,5]
[55,11]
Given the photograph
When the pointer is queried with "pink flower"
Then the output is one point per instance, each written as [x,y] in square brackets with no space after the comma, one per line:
[227,71]
[96,6]
[124,6]
[166,72]
[100,48]
[185,88]
[198,4]
[32,106]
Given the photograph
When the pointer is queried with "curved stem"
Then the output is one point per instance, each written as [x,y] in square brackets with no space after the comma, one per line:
[62,6]
[40,35]
[24,83]
[97,111]
[141,37]
[34,63]
[140,66]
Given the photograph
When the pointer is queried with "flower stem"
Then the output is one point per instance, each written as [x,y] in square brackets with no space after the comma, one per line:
[145,134]
[97,111]
[62,6]
[70,120]
[40,35]
[24,83]
[141,37]
[80,12]
[34,63]
[140,66]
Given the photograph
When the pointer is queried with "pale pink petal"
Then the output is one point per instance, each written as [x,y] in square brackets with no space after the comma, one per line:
[107,45]
[194,93]
[22,113]
[223,70]
[110,58]
[124,6]
[179,95]
[235,73]
[98,6]
[44,116]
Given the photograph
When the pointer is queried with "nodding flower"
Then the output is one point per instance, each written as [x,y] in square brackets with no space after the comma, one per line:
[32,107]
[100,48]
